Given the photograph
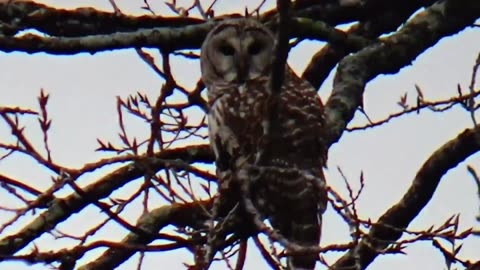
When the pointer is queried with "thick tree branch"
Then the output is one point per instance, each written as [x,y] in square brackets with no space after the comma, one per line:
[61,209]
[23,15]
[335,12]
[90,30]
[385,17]
[390,225]
[389,55]
[309,29]
[167,39]
[181,215]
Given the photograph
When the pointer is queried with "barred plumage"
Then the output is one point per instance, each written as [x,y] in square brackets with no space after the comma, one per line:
[287,184]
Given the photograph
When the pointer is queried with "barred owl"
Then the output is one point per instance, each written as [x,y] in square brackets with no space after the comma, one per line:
[288,187]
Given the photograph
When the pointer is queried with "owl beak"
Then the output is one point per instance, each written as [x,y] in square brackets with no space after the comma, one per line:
[242,69]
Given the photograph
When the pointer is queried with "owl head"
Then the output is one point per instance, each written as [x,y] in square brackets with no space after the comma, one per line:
[236,51]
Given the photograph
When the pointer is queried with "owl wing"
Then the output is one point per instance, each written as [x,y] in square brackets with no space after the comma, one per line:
[296,185]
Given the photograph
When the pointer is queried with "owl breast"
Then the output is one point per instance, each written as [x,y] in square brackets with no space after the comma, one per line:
[240,116]
[235,123]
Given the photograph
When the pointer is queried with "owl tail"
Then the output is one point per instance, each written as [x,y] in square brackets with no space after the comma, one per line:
[305,231]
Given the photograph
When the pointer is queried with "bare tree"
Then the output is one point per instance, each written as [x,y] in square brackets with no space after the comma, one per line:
[169,163]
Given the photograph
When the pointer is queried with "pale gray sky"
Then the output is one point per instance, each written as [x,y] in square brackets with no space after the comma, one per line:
[83,90]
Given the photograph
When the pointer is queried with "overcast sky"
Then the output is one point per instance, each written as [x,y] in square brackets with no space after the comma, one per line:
[83,90]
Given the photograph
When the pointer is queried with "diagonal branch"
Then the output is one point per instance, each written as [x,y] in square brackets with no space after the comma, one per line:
[390,55]
[382,19]
[181,215]
[61,209]
[392,223]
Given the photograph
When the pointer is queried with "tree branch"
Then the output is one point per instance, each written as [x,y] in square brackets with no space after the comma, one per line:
[383,17]
[392,223]
[89,30]
[389,55]
[61,209]
[181,215]
[281,46]
[165,39]
[23,15]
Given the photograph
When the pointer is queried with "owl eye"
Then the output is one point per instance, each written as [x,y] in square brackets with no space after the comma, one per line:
[226,49]
[255,48]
